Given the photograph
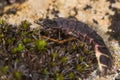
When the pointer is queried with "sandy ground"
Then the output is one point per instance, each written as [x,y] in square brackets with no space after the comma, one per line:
[95,13]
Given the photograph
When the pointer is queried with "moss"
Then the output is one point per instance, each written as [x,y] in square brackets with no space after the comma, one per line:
[1,35]
[19,48]
[81,58]
[27,40]
[4,69]
[71,75]
[15,50]
[17,75]
[40,44]
[74,47]
[57,62]
[25,25]
[81,44]
[80,68]
[64,59]
[45,72]
[10,40]
[54,55]
[59,76]
[85,50]
[53,64]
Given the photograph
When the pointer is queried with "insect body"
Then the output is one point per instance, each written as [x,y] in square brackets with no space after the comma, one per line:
[83,32]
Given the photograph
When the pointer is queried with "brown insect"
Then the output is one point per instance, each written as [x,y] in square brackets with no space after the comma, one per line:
[83,32]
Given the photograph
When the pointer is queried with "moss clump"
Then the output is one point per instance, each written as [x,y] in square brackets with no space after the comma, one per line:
[54,55]
[17,75]
[19,45]
[45,72]
[40,44]
[27,40]
[64,59]
[59,76]
[19,48]
[71,75]
[25,25]
[1,35]
[80,68]
[4,69]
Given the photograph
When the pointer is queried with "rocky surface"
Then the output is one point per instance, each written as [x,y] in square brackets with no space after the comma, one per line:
[102,15]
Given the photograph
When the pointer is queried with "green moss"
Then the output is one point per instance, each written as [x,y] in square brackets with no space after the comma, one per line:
[27,40]
[6,28]
[64,59]
[54,55]
[52,63]
[4,69]
[1,35]
[71,75]
[85,50]
[19,32]
[40,44]
[74,47]
[56,58]
[80,68]
[34,31]
[17,75]
[81,44]
[59,76]
[86,65]
[25,25]
[10,40]
[19,48]
[25,33]
[81,58]
[17,60]
[15,50]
